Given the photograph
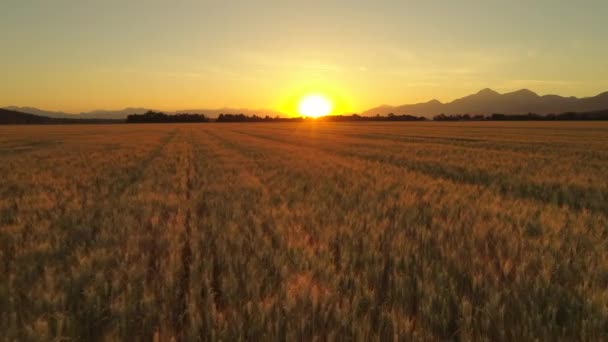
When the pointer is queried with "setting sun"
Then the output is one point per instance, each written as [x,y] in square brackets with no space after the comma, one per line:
[315,106]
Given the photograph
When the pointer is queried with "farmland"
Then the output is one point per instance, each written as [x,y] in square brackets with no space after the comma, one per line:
[302,231]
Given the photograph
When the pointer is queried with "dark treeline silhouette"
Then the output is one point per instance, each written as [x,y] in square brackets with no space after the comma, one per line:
[389,117]
[254,118]
[332,118]
[568,116]
[11,117]
[159,117]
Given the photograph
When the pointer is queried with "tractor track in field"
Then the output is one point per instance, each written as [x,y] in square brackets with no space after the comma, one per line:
[80,232]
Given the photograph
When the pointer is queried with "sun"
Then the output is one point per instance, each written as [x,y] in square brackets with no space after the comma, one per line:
[315,106]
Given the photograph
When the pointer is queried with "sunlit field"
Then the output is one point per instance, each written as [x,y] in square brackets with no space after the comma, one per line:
[376,231]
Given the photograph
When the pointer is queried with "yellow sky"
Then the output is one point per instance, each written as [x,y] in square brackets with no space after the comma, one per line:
[79,56]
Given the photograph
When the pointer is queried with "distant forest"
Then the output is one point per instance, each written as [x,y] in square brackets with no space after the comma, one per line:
[569,116]
[159,117]
[332,118]
[153,117]
[10,117]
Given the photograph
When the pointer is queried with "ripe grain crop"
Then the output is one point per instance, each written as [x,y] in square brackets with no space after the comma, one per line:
[302,231]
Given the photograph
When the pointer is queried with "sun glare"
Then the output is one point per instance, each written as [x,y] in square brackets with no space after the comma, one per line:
[315,106]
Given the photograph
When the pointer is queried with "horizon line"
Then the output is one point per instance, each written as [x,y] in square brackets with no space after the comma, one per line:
[46,109]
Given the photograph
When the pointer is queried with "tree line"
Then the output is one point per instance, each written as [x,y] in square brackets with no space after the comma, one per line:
[253,118]
[568,116]
[8,117]
[389,117]
[157,117]
[332,118]
[572,116]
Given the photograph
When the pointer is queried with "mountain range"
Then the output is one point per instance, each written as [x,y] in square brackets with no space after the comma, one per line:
[484,102]
[488,101]
[12,117]
[122,113]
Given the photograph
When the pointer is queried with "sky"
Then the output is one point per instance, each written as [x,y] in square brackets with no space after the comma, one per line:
[82,55]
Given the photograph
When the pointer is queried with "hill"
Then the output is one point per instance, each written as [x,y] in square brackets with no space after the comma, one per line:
[95,114]
[488,101]
[12,117]
[123,113]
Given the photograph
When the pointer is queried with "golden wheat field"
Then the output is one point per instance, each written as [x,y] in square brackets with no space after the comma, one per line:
[304,231]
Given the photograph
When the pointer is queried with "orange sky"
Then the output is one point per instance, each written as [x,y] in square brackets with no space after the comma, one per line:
[85,55]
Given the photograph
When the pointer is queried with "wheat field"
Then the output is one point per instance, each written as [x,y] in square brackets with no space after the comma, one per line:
[304,231]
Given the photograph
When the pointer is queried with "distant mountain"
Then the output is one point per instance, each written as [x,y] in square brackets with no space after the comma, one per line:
[488,101]
[484,102]
[12,117]
[36,111]
[96,114]
[122,113]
